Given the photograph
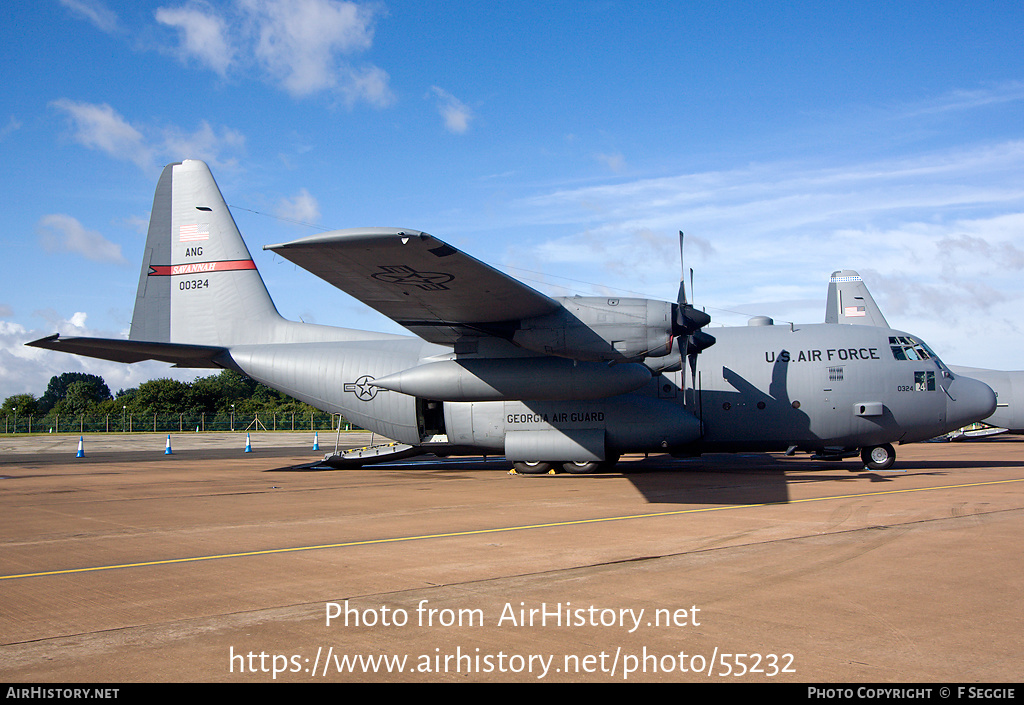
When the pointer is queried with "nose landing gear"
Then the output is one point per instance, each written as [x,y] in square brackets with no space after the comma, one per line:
[878,457]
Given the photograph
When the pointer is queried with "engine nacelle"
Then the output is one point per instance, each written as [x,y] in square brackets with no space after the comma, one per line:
[600,328]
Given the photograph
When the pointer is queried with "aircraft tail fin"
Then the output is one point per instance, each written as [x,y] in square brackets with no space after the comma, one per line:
[850,302]
[198,284]
[199,293]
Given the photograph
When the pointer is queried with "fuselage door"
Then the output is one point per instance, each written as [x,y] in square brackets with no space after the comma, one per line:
[430,419]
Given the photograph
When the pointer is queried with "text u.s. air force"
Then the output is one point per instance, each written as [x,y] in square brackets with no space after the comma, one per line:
[828,355]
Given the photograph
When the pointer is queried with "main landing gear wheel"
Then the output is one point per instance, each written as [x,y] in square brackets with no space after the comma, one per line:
[531,467]
[581,468]
[878,457]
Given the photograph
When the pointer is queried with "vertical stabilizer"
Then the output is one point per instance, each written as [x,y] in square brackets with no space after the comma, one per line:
[198,283]
[850,302]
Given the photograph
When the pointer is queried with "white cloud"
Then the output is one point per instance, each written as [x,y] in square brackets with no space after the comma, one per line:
[456,114]
[785,199]
[1006,254]
[204,143]
[62,233]
[303,46]
[95,12]
[102,128]
[962,100]
[303,208]
[203,34]
[368,83]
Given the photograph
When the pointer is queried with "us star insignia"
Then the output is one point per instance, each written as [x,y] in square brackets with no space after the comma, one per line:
[363,388]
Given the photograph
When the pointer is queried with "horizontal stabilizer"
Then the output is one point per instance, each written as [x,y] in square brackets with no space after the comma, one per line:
[133,351]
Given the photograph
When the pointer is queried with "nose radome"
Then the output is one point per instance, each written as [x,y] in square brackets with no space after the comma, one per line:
[970,401]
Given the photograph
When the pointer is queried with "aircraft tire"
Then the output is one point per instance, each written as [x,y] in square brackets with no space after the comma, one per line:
[531,467]
[577,468]
[878,457]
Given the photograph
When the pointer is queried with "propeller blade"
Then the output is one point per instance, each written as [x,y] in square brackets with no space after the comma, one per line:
[688,321]
[698,342]
[694,320]
[681,296]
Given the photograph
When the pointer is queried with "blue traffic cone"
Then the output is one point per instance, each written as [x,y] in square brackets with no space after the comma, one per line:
[316,440]
[167,450]
[248,444]
[81,451]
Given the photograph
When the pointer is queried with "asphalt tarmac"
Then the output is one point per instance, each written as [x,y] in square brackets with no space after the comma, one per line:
[216,565]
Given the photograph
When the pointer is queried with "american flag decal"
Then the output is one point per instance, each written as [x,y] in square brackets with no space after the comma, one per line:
[855,311]
[194,233]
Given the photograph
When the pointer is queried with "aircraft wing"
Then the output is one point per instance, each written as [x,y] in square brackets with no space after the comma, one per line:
[436,291]
[132,350]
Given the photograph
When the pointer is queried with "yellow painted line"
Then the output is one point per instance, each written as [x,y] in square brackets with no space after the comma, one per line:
[475,532]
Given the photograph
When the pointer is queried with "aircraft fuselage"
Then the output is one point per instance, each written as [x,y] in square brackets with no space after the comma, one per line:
[813,387]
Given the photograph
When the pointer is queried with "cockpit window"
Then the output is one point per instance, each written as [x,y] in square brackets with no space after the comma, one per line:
[924,381]
[906,348]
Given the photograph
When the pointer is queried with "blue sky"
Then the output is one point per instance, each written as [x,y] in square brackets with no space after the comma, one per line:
[563,142]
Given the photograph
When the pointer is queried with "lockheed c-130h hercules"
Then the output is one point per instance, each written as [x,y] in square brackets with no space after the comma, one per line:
[499,368]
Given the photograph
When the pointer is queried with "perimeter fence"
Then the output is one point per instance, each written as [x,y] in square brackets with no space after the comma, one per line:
[177,423]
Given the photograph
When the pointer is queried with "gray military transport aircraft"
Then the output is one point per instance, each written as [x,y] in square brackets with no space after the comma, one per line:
[850,302]
[500,368]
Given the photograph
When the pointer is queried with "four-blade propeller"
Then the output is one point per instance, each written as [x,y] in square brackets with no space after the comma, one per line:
[687,323]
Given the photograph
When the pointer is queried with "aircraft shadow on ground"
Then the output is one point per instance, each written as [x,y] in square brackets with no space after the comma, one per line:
[719,479]
[726,479]
[709,479]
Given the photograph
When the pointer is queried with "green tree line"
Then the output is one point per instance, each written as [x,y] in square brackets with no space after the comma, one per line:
[77,394]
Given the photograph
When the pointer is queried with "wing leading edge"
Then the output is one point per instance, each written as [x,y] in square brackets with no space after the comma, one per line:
[436,291]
